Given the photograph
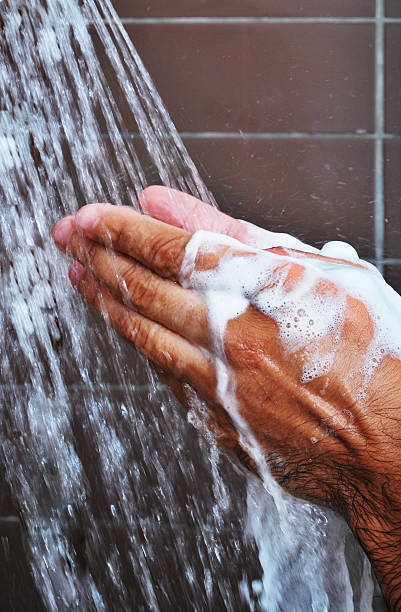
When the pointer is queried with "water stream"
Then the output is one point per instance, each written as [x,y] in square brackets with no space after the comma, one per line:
[124,505]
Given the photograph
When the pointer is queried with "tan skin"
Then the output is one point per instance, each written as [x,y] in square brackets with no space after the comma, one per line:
[128,267]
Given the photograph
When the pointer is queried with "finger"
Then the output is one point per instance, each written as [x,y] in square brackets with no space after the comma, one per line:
[157,245]
[163,347]
[177,387]
[187,212]
[158,299]
[317,257]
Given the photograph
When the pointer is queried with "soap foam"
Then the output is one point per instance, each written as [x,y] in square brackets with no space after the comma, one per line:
[304,316]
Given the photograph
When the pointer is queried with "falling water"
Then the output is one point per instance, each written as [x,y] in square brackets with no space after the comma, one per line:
[124,506]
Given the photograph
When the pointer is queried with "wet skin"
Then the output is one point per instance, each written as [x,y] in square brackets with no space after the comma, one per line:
[128,267]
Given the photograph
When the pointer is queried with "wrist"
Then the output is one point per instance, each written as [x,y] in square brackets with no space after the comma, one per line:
[369,476]
[372,508]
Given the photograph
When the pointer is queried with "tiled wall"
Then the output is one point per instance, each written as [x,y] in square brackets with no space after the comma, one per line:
[291,110]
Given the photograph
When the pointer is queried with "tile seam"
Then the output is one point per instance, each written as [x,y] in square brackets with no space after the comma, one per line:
[385,261]
[253,20]
[379,213]
[391,262]
[9,519]
[277,135]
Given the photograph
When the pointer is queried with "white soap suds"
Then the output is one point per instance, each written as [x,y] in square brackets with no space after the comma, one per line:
[339,250]
[306,309]
[317,365]
[264,239]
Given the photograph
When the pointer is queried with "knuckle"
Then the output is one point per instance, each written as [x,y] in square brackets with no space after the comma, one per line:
[167,254]
[140,288]
[89,294]
[100,304]
[115,235]
[148,339]
[90,254]
[92,295]
[139,332]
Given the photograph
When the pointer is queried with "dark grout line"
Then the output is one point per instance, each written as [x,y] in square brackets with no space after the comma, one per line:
[385,261]
[391,262]
[277,135]
[253,20]
[379,214]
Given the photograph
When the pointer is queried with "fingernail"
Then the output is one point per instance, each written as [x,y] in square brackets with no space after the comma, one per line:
[88,216]
[76,273]
[62,231]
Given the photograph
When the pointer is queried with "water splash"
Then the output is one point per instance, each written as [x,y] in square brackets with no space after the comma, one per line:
[112,487]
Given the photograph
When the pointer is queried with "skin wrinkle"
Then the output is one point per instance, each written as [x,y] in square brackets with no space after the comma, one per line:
[162,252]
[138,287]
[316,405]
[350,466]
[170,250]
[311,256]
[292,473]
[134,326]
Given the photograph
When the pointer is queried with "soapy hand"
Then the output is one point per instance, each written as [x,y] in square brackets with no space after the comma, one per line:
[286,345]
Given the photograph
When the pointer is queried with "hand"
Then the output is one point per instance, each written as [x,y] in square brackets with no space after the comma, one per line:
[293,348]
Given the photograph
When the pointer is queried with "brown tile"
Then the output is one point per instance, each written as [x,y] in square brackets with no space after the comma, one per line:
[262,77]
[393,77]
[316,189]
[392,274]
[153,425]
[18,590]
[392,161]
[393,8]
[165,464]
[241,8]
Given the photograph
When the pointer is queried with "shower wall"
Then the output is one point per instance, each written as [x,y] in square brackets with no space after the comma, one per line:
[291,110]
